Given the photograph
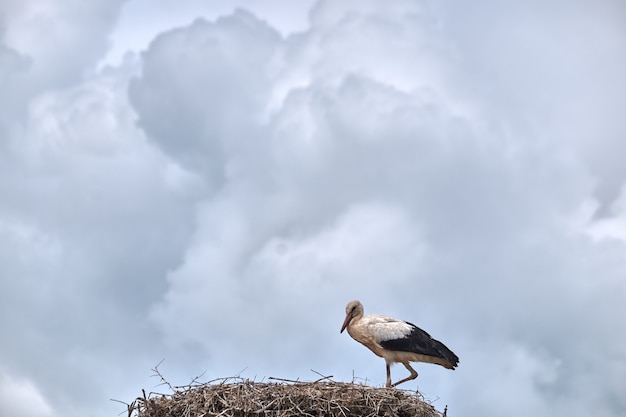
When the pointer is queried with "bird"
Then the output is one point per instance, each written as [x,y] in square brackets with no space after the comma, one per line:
[396,341]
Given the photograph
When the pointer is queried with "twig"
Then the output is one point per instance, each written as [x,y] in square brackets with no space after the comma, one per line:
[158,374]
[284,380]
[322,377]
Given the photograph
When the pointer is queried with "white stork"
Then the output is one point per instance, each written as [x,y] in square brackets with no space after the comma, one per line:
[396,341]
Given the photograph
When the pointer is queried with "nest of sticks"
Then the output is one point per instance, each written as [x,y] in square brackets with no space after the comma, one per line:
[238,397]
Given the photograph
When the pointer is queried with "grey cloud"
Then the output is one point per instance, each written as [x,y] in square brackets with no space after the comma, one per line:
[91,217]
[221,208]
[200,105]
[556,68]
[357,140]
[63,39]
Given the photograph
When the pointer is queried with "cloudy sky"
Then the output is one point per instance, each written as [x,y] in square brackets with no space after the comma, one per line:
[209,183]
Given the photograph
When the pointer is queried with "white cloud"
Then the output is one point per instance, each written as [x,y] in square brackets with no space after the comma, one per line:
[217,200]
[19,398]
[198,128]
[58,42]
[155,16]
[92,216]
[283,262]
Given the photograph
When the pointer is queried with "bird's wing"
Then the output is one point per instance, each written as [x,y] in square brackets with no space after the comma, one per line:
[418,341]
[413,339]
[384,328]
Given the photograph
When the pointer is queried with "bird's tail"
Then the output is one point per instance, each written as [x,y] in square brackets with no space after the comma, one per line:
[448,355]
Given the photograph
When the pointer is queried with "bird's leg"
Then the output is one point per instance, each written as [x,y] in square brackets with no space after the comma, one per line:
[408,378]
[388,376]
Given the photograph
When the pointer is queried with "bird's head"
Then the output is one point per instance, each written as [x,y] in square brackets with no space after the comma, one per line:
[353,309]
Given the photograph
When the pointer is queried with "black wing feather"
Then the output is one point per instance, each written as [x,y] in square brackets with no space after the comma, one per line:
[418,341]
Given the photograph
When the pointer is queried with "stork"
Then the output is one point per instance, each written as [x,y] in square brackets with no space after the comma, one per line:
[396,341]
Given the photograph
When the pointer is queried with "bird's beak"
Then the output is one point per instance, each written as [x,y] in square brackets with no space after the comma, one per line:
[345,323]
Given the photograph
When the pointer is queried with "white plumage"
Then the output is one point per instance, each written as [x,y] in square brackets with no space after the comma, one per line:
[396,341]
[384,327]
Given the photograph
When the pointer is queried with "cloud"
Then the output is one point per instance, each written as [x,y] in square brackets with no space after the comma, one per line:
[217,200]
[78,33]
[347,138]
[93,216]
[197,126]
[22,399]
[554,70]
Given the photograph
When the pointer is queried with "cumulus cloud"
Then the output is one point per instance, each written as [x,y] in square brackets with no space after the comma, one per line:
[68,269]
[217,200]
[80,189]
[215,118]
[63,38]
[350,136]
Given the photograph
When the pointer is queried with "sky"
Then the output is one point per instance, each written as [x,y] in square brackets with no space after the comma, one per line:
[208,184]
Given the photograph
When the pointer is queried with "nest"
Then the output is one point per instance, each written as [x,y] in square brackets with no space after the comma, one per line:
[236,397]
